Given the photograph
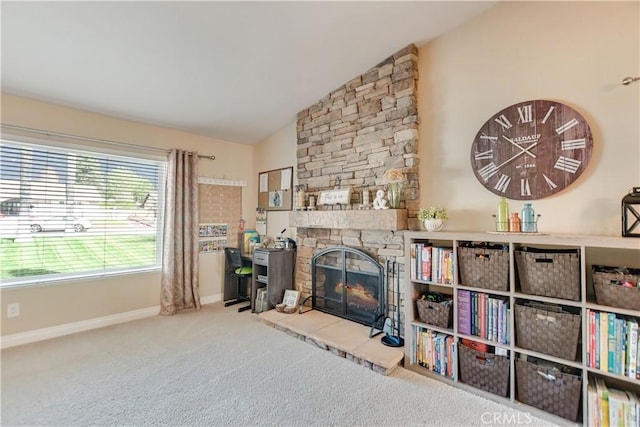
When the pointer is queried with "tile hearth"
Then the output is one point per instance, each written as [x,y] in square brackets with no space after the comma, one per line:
[340,336]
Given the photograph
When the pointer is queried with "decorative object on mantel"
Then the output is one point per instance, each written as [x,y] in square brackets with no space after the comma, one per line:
[394,188]
[380,202]
[364,200]
[631,213]
[432,218]
[341,197]
[300,203]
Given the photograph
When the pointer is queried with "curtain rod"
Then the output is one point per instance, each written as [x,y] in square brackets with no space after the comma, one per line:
[101,141]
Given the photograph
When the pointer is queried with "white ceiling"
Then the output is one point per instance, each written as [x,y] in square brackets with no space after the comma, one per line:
[236,71]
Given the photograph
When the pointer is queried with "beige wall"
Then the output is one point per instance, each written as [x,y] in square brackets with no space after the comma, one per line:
[49,305]
[573,52]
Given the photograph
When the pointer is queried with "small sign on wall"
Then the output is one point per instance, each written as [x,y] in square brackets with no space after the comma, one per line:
[335,197]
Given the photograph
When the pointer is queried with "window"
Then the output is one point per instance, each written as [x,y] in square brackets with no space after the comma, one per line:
[67,213]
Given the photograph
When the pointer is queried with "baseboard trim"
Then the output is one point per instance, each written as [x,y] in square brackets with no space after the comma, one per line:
[29,337]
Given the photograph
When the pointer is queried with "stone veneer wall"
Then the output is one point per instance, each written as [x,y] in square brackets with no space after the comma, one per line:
[349,139]
[358,131]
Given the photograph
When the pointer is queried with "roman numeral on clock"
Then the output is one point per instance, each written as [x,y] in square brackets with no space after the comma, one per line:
[488,171]
[525,114]
[550,183]
[488,138]
[573,144]
[567,164]
[571,123]
[503,121]
[525,190]
[485,155]
[503,183]
[546,116]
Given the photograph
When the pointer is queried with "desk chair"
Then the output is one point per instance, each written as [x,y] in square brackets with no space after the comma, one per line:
[243,275]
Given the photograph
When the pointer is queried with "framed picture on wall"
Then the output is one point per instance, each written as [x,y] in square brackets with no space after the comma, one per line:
[275,189]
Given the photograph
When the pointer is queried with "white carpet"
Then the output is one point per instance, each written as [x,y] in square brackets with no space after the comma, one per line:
[219,367]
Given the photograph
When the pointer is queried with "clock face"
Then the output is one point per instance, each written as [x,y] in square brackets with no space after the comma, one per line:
[531,150]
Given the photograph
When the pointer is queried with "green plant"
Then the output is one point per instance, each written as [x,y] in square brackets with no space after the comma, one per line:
[433,212]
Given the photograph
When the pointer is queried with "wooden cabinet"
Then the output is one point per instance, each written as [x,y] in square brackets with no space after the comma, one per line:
[273,269]
[495,311]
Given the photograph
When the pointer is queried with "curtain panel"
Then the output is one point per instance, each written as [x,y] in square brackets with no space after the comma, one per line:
[179,283]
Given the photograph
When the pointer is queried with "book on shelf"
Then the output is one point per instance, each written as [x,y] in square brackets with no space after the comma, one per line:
[612,343]
[425,261]
[604,342]
[483,315]
[431,263]
[464,311]
[593,418]
[632,347]
[434,351]
[412,261]
[603,402]
[623,408]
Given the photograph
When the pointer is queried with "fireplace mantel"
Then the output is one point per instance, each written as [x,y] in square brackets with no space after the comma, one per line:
[368,219]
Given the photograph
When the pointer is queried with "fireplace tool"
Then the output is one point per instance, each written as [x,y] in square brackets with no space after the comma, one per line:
[382,322]
[392,337]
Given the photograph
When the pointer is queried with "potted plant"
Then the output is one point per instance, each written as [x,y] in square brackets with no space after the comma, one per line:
[432,218]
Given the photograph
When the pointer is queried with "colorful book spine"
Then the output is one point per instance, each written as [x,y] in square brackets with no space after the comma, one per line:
[412,261]
[597,340]
[632,353]
[500,321]
[604,341]
[591,343]
[464,312]
[435,254]
[482,333]
[426,263]
[611,342]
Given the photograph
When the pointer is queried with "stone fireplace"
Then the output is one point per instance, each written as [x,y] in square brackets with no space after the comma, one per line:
[350,138]
[347,283]
[378,234]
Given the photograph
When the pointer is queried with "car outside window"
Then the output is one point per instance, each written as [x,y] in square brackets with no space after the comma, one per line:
[70,212]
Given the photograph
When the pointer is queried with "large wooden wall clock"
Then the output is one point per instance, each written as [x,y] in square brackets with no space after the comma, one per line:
[531,150]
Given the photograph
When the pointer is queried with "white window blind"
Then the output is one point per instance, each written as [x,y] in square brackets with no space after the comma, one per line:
[74,213]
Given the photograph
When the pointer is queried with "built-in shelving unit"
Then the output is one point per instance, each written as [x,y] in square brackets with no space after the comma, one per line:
[591,250]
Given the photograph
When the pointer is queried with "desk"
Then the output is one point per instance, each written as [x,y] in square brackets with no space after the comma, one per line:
[273,269]
[231,281]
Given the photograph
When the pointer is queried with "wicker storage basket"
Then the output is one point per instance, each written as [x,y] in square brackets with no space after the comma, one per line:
[550,273]
[548,332]
[609,292]
[484,267]
[435,313]
[548,389]
[485,371]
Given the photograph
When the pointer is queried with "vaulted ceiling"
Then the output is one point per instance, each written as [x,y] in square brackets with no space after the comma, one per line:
[236,71]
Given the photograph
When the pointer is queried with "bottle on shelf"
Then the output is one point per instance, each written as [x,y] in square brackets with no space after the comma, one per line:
[515,225]
[528,219]
[502,220]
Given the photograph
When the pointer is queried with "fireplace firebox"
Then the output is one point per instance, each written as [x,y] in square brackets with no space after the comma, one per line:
[347,283]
